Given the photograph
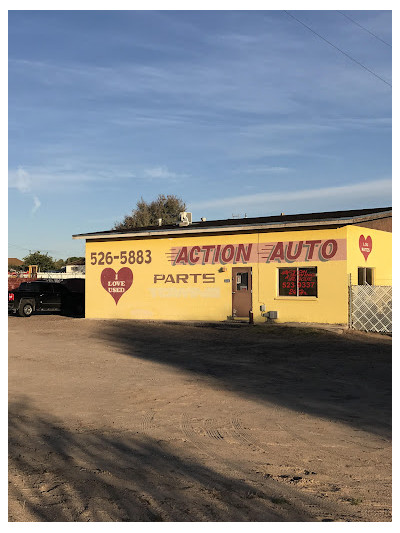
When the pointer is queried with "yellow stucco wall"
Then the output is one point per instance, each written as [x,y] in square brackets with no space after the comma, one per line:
[204,291]
[379,257]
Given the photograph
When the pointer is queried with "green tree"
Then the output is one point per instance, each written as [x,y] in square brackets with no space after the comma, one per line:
[147,214]
[43,261]
[75,261]
[58,264]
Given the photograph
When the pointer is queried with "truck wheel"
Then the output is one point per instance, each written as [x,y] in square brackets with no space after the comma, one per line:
[25,309]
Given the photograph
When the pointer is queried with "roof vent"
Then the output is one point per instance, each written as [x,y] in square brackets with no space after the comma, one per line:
[282,214]
[185,218]
[203,219]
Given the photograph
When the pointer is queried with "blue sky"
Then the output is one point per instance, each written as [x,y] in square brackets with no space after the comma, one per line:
[237,112]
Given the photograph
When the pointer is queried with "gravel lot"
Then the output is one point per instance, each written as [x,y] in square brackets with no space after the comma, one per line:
[144,421]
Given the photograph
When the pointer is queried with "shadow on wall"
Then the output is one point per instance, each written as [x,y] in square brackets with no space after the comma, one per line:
[346,378]
[61,475]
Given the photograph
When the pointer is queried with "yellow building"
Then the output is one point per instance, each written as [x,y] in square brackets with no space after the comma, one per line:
[294,268]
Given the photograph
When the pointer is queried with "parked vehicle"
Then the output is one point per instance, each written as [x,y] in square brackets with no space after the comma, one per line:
[47,296]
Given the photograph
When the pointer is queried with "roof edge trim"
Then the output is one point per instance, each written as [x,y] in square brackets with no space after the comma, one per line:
[190,230]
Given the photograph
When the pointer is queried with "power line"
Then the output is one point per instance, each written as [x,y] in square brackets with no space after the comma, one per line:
[370,32]
[338,49]
[41,250]
[32,248]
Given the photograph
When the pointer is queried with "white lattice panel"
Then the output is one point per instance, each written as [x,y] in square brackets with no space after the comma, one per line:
[371,308]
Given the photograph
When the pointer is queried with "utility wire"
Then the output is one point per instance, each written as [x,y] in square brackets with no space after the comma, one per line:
[370,32]
[338,49]
[41,250]
[32,248]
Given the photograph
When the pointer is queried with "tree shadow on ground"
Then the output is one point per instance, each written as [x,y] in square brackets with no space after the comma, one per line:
[346,378]
[62,475]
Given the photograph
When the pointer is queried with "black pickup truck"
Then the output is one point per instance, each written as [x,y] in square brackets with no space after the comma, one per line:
[65,297]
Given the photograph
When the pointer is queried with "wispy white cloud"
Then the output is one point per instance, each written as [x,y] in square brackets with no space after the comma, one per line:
[68,174]
[255,72]
[47,178]
[22,181]
[252,98]
[376,191]
[362,122]
[162,172]
[264,170]
[313,127]
[36,204]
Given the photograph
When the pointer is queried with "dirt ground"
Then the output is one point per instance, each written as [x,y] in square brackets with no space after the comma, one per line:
[143,421]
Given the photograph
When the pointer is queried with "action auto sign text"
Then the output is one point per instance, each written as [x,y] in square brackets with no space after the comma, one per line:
[270,252]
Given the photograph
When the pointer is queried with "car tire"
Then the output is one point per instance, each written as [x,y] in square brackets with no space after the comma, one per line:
[25,309]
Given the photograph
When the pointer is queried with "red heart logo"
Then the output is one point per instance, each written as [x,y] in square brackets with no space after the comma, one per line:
[116,283]
[365,245]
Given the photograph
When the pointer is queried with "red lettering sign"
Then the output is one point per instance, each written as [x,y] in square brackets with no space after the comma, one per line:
[278,252]
[296,255]
[182,256]
[312,245]
[269,252]
[329,249]
[194,258]
[228,253]
[243,253]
